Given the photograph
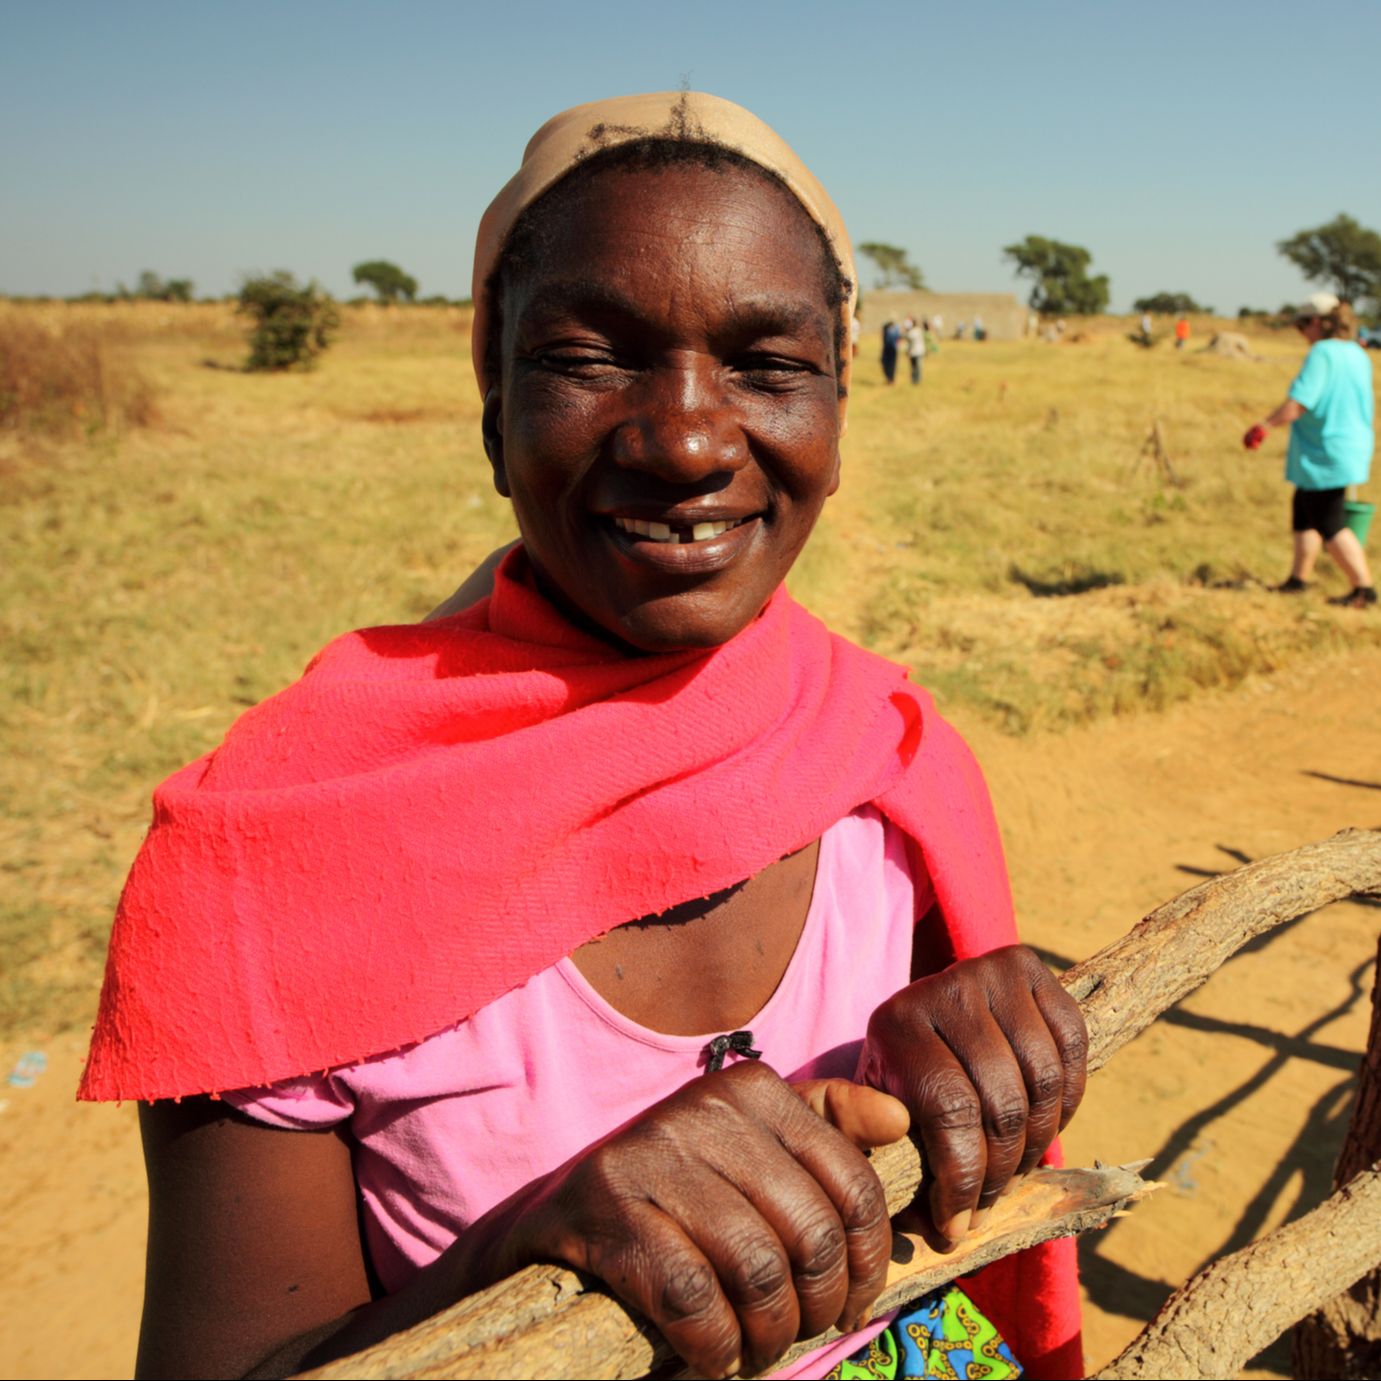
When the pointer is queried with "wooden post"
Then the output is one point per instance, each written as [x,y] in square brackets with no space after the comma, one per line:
[1344,1338]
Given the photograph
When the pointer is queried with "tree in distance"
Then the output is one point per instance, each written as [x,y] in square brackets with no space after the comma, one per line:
[893,268]
[291,324]
[155,289]
[1343,254]
[1059,273]
[388,280]
[1169,304]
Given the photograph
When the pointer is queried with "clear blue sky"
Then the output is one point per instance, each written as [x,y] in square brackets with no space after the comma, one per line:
[204,139]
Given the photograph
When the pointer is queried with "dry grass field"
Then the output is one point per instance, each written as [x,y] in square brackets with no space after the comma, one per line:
[993,531]
[1147,710]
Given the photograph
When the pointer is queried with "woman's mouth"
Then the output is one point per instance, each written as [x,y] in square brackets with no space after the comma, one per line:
[697,548]
[676,532]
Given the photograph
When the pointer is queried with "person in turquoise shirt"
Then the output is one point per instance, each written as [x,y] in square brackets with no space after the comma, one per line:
[1330,409]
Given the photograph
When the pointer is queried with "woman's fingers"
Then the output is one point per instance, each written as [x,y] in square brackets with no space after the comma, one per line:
[1067,1028]
[867,1116]
[732,1215]
[655,1267]
[989,1058]
[849,1184]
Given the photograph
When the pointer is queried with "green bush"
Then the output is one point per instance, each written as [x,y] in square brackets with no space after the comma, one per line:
[291,323]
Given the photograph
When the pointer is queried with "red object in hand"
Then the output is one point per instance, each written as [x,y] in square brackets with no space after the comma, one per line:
[1254,437]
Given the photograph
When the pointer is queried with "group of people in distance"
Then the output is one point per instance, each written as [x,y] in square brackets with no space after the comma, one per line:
[917,338]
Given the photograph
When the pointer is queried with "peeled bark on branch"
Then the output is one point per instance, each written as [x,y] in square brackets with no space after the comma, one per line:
[1211,1326]
[547,1321]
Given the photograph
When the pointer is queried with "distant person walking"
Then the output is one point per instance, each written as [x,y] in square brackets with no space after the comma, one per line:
[980,332]
[1330,411]
[1182,333]
[1146,328]
[915,348]
[891,338]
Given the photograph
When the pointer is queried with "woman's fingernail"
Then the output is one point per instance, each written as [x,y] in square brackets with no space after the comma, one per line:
[980,1216]
[956,1229]
[735,1367]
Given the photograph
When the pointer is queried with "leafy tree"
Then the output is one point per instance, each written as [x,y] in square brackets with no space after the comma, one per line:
[893,268]
[1059,272]
[1343,254]
[388,280]
[1171,304]
[155,289]
[291,323]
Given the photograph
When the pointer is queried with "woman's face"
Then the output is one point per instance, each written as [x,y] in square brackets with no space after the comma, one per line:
[666,421]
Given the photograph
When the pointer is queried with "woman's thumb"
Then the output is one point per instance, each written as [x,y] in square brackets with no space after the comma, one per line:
[867,1116]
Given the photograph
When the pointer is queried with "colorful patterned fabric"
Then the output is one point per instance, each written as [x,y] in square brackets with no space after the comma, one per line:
[943,1335]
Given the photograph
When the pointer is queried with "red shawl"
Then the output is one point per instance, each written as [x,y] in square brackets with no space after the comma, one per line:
[434,813]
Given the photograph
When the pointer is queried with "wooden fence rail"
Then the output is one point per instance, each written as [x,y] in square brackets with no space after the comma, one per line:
[547,1321]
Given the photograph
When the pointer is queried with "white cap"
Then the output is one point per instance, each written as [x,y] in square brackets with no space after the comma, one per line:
[1317,304]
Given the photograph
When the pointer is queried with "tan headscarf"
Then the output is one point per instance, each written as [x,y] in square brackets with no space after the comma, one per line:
[566,139]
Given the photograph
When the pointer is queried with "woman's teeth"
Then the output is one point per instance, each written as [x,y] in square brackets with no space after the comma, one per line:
[664,532]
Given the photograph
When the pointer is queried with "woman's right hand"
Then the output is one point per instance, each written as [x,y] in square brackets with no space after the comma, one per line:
[732,1214]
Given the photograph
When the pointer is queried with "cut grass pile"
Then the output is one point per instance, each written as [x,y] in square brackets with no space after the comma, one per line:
[991,532]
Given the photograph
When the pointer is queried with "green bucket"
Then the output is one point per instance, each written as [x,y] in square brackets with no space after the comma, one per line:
[1358,516]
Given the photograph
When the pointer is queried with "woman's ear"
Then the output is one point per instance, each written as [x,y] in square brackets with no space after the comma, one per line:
[491,428]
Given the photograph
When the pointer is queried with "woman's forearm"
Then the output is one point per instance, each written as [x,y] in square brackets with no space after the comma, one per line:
[1287,412]
[469,1265]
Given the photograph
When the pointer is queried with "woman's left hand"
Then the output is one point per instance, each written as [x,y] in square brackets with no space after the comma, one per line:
[989,1058]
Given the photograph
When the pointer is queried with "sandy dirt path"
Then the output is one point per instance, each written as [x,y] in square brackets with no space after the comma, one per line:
[1241,1096]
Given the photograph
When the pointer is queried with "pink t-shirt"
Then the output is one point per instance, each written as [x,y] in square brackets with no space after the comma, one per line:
[447,1128]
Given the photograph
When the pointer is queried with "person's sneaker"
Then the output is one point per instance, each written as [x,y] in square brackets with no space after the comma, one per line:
[1363,597]
[1293,586]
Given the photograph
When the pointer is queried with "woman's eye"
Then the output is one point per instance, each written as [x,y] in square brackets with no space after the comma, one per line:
[577,362]
[773,369]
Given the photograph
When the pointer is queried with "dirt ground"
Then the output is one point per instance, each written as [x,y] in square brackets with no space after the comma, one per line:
[1240,1096]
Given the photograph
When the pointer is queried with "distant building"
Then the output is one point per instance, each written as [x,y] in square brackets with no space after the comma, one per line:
[1004,318]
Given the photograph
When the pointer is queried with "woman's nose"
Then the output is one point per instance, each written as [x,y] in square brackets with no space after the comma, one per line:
[682,425]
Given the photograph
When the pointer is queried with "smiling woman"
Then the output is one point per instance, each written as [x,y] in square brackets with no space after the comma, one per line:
[667,424]
[520,880]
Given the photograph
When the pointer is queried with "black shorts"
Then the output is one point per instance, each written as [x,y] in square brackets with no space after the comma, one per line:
[1319,510]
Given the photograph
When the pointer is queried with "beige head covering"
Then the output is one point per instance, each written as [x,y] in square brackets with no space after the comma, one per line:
[573,135]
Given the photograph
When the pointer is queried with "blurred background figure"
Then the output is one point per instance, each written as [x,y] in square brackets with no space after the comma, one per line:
[915,347]
[1181,333]
[891,338]
[1330,410]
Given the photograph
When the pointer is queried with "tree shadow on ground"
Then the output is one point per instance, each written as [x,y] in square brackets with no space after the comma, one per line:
[1341,781]
[1073,582]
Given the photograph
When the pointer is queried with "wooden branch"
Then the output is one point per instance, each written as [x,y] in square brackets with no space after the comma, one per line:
[1122,989]
[547,1321]
[1344,1338]
[1211,1326]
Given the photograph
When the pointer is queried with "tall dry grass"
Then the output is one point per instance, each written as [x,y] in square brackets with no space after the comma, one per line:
[62,376]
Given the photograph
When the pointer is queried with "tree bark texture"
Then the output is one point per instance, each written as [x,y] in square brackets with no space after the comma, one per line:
[1211,1327]
[1344,1338]
[547,1321]
[1123,988]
